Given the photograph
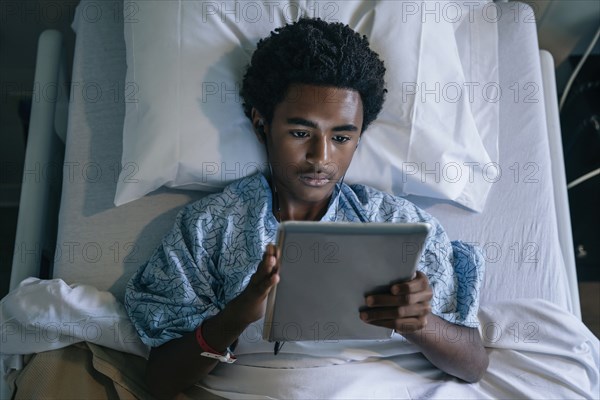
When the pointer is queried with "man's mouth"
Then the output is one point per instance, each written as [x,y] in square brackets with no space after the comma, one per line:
[315,180]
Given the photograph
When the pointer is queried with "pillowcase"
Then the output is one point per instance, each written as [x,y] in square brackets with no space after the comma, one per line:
[185,127]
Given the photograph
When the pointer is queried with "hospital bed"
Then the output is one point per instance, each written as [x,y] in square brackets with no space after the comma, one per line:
[530,311]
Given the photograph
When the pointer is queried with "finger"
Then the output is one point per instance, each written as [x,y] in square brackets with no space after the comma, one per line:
[419,283]
[410,325]
[276,268]
[388,300]
[405,325]
[269,260]
[270,281]
[266,269]
[270,252]
[384,313]
[272,262]
[264,283]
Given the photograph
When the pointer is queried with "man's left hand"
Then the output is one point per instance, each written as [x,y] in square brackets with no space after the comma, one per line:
[405,308]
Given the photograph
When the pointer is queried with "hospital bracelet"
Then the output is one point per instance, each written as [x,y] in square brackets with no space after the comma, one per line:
[208,351]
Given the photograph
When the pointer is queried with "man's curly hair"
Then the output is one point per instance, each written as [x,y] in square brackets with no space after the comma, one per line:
[312,51]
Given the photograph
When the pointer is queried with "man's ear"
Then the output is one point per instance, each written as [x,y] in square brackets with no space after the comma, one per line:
[258,123]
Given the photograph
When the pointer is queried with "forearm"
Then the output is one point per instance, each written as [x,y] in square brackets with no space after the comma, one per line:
[177,364]
[454,349]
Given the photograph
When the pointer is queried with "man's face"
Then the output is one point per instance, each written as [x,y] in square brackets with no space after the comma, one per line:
[312,138]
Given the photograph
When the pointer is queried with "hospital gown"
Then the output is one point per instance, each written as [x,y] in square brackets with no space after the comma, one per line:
[217,242]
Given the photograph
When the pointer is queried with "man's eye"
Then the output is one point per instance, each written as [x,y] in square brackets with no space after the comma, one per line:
[299,134]
[341,139]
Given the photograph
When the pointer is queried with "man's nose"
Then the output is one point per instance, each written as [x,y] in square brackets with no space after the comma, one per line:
[318,151]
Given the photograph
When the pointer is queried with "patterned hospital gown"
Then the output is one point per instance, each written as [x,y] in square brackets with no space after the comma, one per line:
[216,244]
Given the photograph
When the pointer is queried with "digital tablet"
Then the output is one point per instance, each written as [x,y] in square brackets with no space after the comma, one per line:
[326,269]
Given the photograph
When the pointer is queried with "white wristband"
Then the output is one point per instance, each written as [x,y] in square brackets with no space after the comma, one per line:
[228,357]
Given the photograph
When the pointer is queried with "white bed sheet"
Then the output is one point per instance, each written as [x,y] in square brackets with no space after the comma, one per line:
[536,350]
[102,245]
[518,230]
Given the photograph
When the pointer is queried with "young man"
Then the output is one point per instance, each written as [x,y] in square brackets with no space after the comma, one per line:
[311,90]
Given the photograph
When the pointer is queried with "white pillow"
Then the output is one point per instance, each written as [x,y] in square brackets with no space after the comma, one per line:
[186,128]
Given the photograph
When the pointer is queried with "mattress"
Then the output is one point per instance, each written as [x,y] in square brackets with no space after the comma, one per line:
[103,245]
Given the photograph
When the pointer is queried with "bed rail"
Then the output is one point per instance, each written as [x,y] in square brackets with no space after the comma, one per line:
[35,239]
[558,171]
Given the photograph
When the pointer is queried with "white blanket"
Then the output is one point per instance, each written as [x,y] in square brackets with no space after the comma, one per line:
[41,315]
[536,350]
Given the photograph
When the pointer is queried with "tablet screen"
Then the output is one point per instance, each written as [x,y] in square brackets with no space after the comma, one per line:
[326,271]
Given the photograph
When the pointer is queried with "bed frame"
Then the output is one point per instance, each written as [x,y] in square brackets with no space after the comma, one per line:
[36,234]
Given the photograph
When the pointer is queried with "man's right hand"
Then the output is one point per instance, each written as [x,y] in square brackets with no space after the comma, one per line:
[178,364]
[250,304]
